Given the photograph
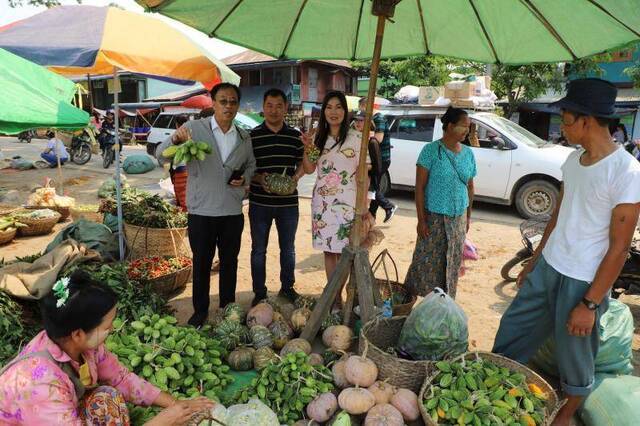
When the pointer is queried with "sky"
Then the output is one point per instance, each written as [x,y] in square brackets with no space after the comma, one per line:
[217,48]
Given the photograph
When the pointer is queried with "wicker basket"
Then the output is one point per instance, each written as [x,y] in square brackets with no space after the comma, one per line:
[551,405]
[154,241]
[37,226]
[388,287]
[65,212]
[83,214]
[7,235]
[376,337]
[7,209]
[169,285]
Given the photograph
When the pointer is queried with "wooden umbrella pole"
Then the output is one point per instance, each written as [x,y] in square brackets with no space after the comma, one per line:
[362,190]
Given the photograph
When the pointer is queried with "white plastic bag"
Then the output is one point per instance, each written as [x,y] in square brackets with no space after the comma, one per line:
[167,186]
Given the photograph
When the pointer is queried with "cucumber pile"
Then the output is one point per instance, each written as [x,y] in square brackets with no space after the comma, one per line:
[478,392]
[179,360]
[288,385]
[187,151]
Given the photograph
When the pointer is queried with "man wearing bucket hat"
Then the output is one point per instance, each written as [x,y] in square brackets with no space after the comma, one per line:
[565,289]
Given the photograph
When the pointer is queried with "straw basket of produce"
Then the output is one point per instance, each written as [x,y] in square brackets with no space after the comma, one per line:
[165,275]
[379,338]
[152,226]
[38,222]
[46,197]
[480,386]
[86,211]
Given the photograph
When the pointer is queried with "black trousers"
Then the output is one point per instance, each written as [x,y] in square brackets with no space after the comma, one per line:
[380,200]
[205,234]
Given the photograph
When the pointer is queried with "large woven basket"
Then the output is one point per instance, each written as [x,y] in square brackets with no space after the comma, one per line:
[154,241]
[389,287]
[88,215]
[65,212]
[7,235]
[37,226]
[381,334]
[552,403]
[169,285]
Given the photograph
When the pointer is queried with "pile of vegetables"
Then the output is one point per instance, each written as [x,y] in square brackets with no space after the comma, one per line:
[134,298]
[187,151]
[143,209]
[148,268]
[9,222]
[362,394]
[90,208]
[287,386]
[180,360]
[479,392]
[13,332]
[36,214]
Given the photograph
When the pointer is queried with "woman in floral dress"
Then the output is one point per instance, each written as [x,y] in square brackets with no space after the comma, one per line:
[66,376]
[333,204]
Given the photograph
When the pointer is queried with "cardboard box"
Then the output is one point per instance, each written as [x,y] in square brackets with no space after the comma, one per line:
[429,94]
[459,89]
[462,103]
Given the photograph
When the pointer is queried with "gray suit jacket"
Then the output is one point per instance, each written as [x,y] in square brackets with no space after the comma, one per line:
[208,193]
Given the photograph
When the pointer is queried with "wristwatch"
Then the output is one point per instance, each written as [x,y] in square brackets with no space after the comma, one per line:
[592,306]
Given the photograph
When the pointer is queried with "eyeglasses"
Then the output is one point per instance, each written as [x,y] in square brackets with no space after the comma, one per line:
[226,102]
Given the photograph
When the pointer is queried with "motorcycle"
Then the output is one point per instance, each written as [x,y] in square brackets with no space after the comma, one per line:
[80,148]
[107,140]
[532,230]
[26,136]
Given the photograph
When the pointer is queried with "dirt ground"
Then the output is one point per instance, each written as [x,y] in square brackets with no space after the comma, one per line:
[481,292]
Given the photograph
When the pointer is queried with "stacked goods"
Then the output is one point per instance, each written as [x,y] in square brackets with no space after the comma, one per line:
[280,184]
[480,392]
[143,209]
[87,211]
[289,385]
[8,228]
[362,395]
[38,222]
[190,150]
[179,360]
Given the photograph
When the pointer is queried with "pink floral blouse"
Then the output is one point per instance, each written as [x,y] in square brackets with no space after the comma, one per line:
[37,392]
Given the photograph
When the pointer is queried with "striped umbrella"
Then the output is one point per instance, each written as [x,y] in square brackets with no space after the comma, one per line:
[83,40]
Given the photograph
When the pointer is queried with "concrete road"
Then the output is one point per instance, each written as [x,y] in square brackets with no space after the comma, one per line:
[10,147]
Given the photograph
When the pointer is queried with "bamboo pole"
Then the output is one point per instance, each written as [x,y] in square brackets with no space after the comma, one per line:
[362,190]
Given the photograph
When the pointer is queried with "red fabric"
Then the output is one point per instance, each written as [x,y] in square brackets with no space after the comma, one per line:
[198,101]
[179,180]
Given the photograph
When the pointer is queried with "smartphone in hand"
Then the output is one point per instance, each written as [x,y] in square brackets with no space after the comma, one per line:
[236,175]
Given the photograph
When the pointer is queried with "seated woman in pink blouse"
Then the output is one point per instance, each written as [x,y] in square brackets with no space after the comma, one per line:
[65,376]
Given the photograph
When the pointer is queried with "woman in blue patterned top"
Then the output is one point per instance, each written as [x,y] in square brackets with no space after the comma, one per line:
[444,194]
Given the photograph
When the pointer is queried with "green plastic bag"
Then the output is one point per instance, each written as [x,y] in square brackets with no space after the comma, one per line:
[435,329]
[614,401]
[138,164]
[615,352]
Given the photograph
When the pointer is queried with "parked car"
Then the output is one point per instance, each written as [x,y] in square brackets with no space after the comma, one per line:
[164,126]
[515,167]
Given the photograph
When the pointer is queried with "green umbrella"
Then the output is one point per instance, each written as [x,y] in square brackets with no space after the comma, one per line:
[500,31]
[33,96]
[505,31]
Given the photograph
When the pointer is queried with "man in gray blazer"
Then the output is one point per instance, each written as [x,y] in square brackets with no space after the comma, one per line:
[215,190]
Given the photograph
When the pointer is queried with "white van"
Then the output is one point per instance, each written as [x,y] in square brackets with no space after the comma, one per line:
[514,165]
[164,125]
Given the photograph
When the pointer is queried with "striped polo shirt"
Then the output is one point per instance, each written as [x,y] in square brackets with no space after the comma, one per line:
[275,153]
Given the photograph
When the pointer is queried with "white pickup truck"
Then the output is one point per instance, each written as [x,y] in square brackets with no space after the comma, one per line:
[514,165]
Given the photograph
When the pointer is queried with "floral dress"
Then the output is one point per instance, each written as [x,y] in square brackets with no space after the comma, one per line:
[334,196]
[36,391]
